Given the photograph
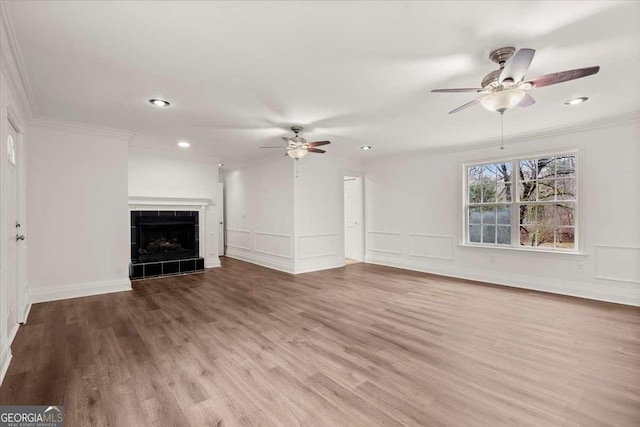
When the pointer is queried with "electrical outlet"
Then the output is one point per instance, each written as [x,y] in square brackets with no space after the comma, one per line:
[580,267]
[492,259]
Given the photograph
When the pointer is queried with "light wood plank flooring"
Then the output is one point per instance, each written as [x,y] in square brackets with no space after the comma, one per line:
[363,345]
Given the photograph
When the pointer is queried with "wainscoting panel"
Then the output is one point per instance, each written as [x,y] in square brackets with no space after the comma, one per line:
[318,245]
[240,239]
[619,263]
[431,246]
[382,241]
[279,245]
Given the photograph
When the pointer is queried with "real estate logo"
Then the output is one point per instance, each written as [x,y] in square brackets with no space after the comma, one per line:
[31,416]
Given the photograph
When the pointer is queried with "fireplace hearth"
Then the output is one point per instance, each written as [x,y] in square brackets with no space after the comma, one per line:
[164,243]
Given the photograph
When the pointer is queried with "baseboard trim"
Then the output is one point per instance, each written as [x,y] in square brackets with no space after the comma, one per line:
[555,286]
[13,332]
[212,263]
[280,264]
[311,265]
[27,310]
[5,360]
[80,290]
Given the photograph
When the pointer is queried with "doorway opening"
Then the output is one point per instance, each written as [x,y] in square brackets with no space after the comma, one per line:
[353,219]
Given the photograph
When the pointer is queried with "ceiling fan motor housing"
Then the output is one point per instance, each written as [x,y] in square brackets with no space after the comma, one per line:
[499,56]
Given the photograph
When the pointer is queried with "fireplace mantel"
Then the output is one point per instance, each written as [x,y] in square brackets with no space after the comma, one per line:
[145,202]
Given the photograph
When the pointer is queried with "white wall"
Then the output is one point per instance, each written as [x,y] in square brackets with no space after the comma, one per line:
[176,175]
[288,222]
[259,213]
[319,211]
[413,208]
[78,215]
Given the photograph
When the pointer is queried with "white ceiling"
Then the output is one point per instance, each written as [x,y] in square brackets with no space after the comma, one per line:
[238,74]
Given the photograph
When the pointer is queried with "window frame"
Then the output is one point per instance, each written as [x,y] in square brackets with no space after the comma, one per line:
[515,203]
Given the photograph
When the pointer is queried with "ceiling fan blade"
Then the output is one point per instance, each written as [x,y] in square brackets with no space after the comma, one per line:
[468,104]
[464,89]
[516,67]
[286,139]
[272,146]
[563,76]
[318,144]
[315,150]
[527,101]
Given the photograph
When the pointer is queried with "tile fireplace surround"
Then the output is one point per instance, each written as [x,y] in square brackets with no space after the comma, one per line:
[169,208]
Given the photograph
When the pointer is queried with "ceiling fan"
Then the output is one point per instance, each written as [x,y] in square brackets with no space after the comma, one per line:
[297,147]
[506,87]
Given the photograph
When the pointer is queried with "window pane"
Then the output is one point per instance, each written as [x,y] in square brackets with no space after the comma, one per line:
[489,215]
[546,238]
[489,173]
[503,191]
[504,235]
[565,214]
[566,166]
[504,215]
[488,192]
[527,235]
[546,189]
[546,216]
[565,238]
[475,193]
[528,214]
[546,168]
[474,174]
[537,214]
[474,233]
[528,170]
[527,191]
[566,189]
[488,234]
[474,215]
[504,171]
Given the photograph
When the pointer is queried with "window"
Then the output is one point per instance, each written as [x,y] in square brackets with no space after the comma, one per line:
[528,202]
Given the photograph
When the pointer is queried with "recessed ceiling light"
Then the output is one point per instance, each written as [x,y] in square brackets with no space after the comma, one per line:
[159,102]
[183,144]
[576,101]
[366,147]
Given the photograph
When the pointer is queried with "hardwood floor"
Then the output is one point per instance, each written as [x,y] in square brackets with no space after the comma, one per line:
[363,345]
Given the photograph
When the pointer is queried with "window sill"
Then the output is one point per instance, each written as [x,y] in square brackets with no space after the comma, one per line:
[526,251]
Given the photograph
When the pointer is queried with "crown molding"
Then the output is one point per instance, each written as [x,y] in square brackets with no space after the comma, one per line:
[65,125]
[605,122]
[13,65]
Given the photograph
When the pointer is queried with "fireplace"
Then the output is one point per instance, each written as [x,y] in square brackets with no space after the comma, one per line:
[164,243]
[161,238]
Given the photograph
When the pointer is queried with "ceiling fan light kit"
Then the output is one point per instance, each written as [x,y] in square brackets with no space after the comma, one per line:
[297,153]
[502,100]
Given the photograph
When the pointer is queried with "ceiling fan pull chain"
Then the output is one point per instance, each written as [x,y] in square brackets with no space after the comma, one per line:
[502,130]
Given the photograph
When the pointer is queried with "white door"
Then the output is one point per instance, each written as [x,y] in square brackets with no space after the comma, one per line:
[14,229]
[353,227]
